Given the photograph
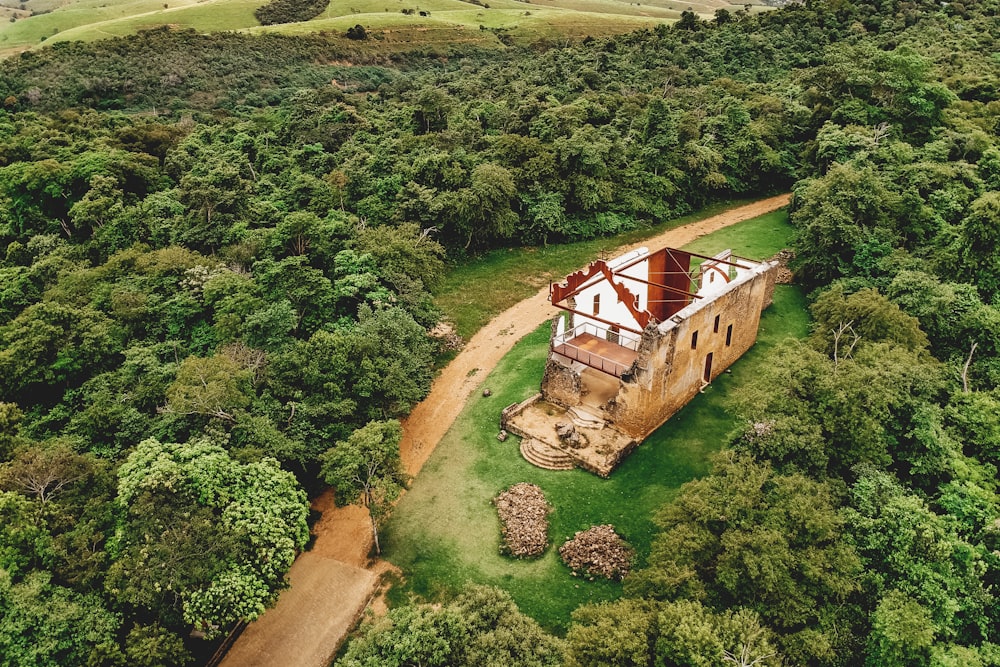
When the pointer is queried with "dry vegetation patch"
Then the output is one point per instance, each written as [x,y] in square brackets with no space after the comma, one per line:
[524,520]
[598,552]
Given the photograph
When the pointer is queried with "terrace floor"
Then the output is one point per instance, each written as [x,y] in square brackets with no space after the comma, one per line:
[598,353]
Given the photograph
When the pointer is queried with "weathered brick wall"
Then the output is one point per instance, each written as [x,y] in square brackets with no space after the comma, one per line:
[561,384]
[669,371]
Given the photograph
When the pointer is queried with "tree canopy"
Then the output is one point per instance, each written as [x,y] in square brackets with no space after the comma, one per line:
[216,261]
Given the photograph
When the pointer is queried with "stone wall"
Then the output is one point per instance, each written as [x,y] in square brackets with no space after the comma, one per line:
[561,383]
[670,369]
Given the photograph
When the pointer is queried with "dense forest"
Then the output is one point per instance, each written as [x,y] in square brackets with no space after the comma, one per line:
[218,259]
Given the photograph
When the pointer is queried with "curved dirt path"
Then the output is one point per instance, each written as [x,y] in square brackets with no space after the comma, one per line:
[342,534]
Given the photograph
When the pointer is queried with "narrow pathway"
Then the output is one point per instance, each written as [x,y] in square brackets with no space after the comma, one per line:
[325,613]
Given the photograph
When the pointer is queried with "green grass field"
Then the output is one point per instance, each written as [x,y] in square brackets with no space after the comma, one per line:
[445,533]
[448,21]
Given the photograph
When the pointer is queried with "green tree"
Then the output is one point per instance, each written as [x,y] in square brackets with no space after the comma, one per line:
[205,533]
[841,218]
[481,627]
[613,633]
[307,289]
[980,250]
[902,633]
[366,469]
[50,343]
[43,624]
[404,249]
[802,412]
[690,634]
[482,211]
[843,320]
[155,646]
[907,548]
[747,537]
[392,361]
[25,543]
[213,386]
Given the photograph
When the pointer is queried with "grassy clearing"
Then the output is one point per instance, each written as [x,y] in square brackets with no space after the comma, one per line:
[444,533]
[661,8]
[205,16]
[470,294]
[452,21]
[91,13]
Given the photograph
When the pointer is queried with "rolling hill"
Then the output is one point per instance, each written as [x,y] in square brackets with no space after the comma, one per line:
[40,22]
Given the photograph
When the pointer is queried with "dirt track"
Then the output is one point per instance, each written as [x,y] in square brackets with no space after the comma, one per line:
[342,534]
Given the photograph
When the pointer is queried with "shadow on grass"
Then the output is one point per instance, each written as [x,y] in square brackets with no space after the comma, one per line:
[445,533]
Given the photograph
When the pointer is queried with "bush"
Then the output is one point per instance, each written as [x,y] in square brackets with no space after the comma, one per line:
[290,11]
[357,32]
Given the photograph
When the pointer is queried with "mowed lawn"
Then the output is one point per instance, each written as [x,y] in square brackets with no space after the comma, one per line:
[445,533]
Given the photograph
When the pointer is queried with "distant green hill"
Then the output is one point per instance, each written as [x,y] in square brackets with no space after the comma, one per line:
[390,23]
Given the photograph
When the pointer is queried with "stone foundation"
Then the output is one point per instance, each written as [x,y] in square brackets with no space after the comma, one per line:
[602,446]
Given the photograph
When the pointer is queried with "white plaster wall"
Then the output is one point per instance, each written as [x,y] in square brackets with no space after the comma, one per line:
[640,271]
[611,309]
[712,280]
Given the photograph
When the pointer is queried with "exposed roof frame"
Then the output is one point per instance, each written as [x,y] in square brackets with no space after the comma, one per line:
[675,290]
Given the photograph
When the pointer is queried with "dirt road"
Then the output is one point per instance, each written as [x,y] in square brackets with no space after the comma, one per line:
[342,534]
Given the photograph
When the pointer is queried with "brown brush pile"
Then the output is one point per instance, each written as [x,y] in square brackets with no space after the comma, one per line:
[524,520]
[598,552]
[785,276]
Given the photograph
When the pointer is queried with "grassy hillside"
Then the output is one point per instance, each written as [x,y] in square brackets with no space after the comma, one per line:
[446,21]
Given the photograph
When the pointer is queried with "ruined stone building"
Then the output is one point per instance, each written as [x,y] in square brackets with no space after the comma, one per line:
[639,337]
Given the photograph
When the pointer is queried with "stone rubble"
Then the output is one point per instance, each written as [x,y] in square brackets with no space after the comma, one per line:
[598,552]
[524,522]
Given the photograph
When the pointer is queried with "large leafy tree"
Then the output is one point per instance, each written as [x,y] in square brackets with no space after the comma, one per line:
[205,532]
[802,412]
[747,537]
[481,627]
[685,632]
[44,624]
[925,575]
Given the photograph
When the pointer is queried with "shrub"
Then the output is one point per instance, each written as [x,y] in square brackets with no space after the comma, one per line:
[290,11]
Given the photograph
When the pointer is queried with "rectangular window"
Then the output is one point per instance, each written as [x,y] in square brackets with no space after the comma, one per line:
[694,340]
[729,335]
[597,304]
[715,327]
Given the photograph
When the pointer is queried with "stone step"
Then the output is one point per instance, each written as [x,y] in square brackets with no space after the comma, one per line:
[538,453]
[542,454]
[583,418]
